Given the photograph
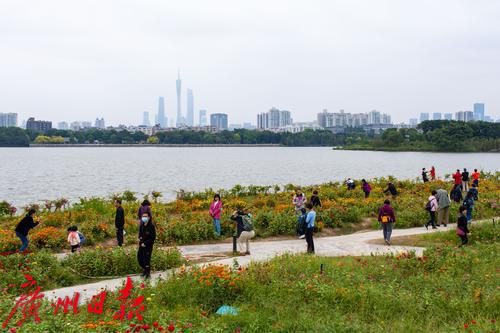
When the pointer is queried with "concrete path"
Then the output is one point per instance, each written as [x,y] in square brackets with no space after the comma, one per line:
[347,245]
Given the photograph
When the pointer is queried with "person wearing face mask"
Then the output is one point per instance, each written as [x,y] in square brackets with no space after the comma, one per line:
[147,236]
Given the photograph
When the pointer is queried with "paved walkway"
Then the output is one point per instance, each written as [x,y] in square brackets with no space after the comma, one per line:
[348,245]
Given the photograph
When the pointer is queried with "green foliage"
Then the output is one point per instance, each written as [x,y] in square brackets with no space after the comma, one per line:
[13,137]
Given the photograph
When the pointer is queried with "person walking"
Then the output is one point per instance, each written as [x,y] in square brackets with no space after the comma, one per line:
[386,217]
[310,220]
[119,221]
[433,173]
[147,237]
[366,188]
[475,178]
[469,205]
[299,201]
[424,176]
[73,238]
[432,207]
[24,226]
[456,193]
[474,191]
[315,200]
[301,224]
[215,212]
[244,230]
[457,177]
[391,189]
[462,228]
[443,210]
[465,180]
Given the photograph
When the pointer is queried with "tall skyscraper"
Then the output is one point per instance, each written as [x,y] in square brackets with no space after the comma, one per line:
[8,119]
[190,108]
[424,116]
[99,123]
[145,119]
[178,84]
[479,111]
[203,118]
[219,121]
[160,118]
[436,116]
[448,116]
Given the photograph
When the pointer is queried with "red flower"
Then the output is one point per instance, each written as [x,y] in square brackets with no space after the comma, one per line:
[474,322]
[142,286]
[132,325]
[155,324]
[13,330]
[171,328]
[493,321]
[145,327]
[466,325]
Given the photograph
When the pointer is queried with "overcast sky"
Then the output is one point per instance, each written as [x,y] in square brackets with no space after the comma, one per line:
[78,60]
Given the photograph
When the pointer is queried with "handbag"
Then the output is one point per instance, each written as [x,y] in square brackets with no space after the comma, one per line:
[460,232]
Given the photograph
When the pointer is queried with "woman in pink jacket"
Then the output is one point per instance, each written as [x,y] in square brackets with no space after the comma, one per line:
[215,212]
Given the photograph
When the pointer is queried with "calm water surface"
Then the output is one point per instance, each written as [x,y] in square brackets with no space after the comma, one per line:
[34,174]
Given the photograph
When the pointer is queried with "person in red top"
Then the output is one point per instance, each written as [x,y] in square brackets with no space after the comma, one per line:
[433,173]
[457,176]
[475,177]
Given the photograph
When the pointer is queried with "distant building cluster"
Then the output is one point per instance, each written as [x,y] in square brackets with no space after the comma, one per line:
[38,125]
[274,119]
[8,119]
[343,119]
[477,114]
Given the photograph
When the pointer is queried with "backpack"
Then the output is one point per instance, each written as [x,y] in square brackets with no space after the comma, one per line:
[428,206]
[247,223]
[82,238]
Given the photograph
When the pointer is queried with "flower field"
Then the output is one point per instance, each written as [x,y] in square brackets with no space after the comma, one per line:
[186,219]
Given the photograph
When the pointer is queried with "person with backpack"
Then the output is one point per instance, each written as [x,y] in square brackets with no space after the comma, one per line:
[474,191]
[443,210]
[456,193]
[433,173]
[391,189]
[469,205]
[315,200]
[366,188]
[462,228]
[73,238]
[432,207]
[475,178]
[310,221]
[465,180]
[301,224]
[244,229]
[24,226]
[119,221]
[147,237]
[215,212]
[424,176]
[299,201]
[386,217]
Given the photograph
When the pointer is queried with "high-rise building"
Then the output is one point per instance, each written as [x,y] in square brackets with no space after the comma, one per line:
[436,116]
[160,117]
[203,118]
[479,111]
[413,122]
[99,123]
[448,116]
[374,118]
[145,119]
[219,121]
[464,116]
[274,119]
[75,126]
[190,108]
[424,116]
[38,125]
[8,119]
[86,124]
[178,85]
[63,125]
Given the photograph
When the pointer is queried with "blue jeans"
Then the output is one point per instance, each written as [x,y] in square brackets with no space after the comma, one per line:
[217,226]
[387,228]
[24,240]
[469,214]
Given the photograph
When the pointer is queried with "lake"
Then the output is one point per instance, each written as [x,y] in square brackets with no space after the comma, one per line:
[36,174]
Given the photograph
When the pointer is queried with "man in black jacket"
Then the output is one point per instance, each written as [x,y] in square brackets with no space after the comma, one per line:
[24,227]
[147,236]
[119,221]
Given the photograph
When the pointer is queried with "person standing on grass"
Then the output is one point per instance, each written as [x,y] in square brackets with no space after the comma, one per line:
[433,173]
[391,189]
[73,238]
[462,229]
[469,205]
[215,212]
[366,188]
[424,176]
[24,226]
[119,221]
[147,237]
[465,180]
[432,207]
[475,178]
[315,200]
[310,219]
[457,177]
[386,218]
[299,201]
[244,229]
[443,210]
[301,224]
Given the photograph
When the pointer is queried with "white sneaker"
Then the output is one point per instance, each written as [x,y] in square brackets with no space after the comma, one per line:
[302,236]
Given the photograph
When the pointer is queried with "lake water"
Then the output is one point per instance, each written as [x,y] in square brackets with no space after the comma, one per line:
[35,174]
